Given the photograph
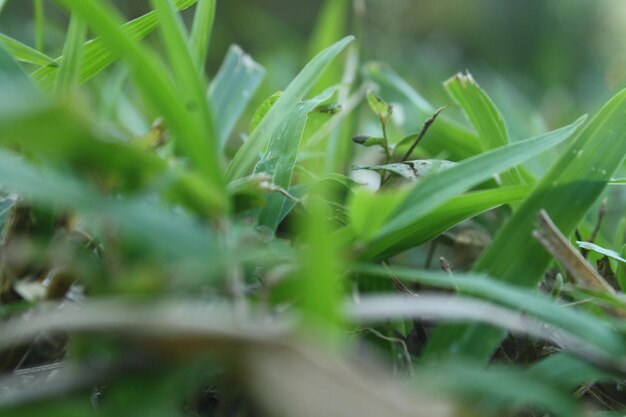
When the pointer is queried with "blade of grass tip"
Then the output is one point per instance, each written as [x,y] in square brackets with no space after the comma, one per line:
[191,83]
[232,89]
[484,116]
[67,77]
[40,24]
[566,193]
[24,53]
[436,189]
[97,55]
[201,31]
[246,156]
[153,81]
[2,4]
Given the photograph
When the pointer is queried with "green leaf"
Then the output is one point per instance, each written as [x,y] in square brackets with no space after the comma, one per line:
[18,92]
[599,249]
[201,31]
[412,170]
[330,25]
[25,53]
[186,116]
[67,77]
[566,192]
[40,24]
[380,107]
[434,190]
[232,89]
[98,55]
[371,217]
[484,116]
[280,157]
[245,157]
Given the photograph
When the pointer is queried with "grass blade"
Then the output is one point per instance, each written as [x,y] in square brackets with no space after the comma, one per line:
[68,75]
[191,85]
[457,209]
[192,131]
[201,31]
[598,331]
[484,116]
[436,189]
[567,192]
[280,157]
[25,53]
[97,55]
[245,157]
[40,24]
[232,89]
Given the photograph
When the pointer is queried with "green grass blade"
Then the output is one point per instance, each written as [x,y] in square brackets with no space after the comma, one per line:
[188,123]
[330,25]
[232,89]
[201,31]
[522,299]
[40,24]
[367,216]
[484,116]
[436,189]
[452,138]
[280,157]
[246,156]
[567,192]
[97,55]
[25,53]
[68,75]
[191,85]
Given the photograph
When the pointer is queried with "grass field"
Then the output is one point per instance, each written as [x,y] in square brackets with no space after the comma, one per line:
[176,241]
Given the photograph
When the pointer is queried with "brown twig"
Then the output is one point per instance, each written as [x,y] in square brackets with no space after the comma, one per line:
[422,133]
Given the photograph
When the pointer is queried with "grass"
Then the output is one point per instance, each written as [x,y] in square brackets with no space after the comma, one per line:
[180,271]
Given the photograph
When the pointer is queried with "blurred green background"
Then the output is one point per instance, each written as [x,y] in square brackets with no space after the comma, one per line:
[563,57]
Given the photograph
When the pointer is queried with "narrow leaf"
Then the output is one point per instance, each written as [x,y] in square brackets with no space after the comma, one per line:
[24,53]
[67,77]
[201,31]
[232,89]
[246,156]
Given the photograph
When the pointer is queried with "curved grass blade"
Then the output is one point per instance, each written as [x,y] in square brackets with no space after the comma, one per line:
[453,212]
[68,74]
[232,89]
[436,189]
[24,53]
[484,116]
[201,30]
[246,156]
[188,123]
[598,331]
[97,55]
[566,192]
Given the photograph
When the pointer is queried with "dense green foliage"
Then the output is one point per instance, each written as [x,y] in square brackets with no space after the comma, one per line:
[169,249]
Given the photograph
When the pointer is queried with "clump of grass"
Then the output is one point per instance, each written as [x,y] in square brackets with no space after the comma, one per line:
[178,271]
